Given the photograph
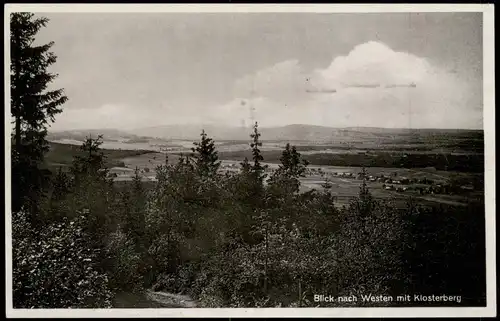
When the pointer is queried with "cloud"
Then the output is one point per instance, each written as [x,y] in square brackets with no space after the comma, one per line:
[122,116]
[285,93]
[286,82]
[375,63]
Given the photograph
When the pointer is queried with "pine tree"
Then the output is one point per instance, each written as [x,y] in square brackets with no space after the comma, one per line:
[61,185]
[206,159]
[61,188]
[292,163]
[245,166]
[33,107]
[251,179]
[365,202]
[137,182]
[135,224]
[257,169]
[92,187]
[292,167]
[91,162]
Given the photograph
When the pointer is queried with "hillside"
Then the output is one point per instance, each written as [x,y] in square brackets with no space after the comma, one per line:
[81,134]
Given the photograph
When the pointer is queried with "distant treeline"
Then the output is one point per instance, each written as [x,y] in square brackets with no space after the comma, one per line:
[63,155]
[449,162]
[459,163]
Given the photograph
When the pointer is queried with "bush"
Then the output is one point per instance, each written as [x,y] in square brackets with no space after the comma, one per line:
[54,267]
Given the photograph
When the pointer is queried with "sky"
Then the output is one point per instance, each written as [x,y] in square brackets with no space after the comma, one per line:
[132,70]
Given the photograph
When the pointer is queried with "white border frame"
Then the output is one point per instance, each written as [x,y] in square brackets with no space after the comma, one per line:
[489,137]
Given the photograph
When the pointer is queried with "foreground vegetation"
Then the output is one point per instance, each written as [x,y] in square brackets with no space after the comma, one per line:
[230,240]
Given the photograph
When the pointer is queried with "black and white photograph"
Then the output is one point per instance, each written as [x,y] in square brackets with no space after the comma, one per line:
[249,160]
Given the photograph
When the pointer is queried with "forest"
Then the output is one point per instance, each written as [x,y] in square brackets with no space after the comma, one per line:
[245,239]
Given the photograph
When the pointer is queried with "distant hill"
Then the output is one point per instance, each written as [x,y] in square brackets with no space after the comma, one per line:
[192,132]
[82,134]
[295,132]
[285,133]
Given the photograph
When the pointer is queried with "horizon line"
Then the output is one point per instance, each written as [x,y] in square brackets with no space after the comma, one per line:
[266,127]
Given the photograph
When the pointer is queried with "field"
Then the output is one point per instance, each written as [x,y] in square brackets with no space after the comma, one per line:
[427,159]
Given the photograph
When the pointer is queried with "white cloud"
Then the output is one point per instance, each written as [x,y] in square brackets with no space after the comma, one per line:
[375,63]
[440,99]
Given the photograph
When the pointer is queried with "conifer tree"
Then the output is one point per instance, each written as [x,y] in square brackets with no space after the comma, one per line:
[33,107]
[206,159]
[364,203]
[61,185]
[92,187]
[292,167]
[91,162]
[136,224]
[257,169]
[245,166]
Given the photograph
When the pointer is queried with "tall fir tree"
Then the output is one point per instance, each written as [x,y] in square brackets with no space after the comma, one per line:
[257,169]
[205,156]
[33,107]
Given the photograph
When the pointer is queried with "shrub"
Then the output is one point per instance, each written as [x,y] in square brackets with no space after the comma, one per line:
[54,267]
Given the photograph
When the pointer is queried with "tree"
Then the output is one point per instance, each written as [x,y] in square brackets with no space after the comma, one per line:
[205,157]
[61,187]
[365,202]
[292,163]
[292,167]
[33,107]
[245,166]
[91,162]
[251,179]
[257,168]
[93,189]
[135,221]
